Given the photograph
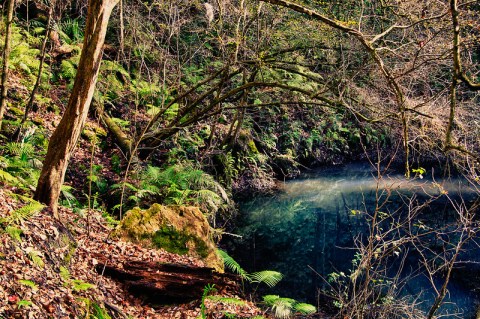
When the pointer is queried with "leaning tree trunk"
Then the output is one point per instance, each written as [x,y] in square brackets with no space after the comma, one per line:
[6,58]
[64,139]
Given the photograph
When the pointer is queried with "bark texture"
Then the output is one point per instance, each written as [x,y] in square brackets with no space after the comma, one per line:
[65,137]
[6,59]
[165,283]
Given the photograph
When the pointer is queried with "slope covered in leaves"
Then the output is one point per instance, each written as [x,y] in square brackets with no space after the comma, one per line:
[47,269]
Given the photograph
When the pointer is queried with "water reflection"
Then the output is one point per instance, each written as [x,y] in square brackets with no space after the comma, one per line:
[313,223]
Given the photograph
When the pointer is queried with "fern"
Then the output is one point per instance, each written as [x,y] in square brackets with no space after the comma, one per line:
[80,285]
[14,232]
[232,264]
[66,192]
[22,150]
[268,277]
[182,184]
[72,30]
[305,308]
[99,312]
[64,273]
[39,30]
[227,300]
[29,283]
[284,307]
[24,303]
[68,70]
[25,212]
[36,257]
[113,66]
[8,178]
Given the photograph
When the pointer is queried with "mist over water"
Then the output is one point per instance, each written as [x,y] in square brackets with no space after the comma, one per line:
[308,230]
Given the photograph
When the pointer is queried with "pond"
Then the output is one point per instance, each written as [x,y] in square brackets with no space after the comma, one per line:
[308,231]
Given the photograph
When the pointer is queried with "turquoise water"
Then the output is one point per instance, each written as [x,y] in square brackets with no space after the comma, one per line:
[308,230]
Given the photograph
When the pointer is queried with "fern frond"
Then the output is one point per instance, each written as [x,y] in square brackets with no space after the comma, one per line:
[25,212]
[36,257]
[14,233]
[232,264]
[68,69]
[23,303]
[114,67]
[29,283]
[64,273]
[268,277]
[206,195]
[227,300]
[23,150]
[39,30]
[66,191]
[8,178]
[127,186]
[80,285]
[269,300]
[282,307]
[305,308]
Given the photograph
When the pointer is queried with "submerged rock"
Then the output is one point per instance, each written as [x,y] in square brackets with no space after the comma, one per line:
[177,229]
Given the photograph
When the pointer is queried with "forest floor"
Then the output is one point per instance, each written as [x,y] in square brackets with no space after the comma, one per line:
[43,274]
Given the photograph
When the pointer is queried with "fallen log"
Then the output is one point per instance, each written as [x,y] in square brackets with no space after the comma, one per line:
[159,283]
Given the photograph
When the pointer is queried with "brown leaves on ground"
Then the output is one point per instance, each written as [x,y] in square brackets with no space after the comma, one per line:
[47,270]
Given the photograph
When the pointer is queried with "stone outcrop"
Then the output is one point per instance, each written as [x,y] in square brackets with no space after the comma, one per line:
[177,229]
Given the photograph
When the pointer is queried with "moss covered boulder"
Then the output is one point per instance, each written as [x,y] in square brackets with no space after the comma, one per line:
[177,229]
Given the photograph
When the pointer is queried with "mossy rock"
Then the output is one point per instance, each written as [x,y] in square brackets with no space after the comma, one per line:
[92,132]
[177,229]
[37,120]
[16,111]
[246,142]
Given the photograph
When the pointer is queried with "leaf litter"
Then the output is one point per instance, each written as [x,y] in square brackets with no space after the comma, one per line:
[48,270]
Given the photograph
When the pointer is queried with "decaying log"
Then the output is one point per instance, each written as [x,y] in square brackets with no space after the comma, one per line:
[161,283]
[123,141]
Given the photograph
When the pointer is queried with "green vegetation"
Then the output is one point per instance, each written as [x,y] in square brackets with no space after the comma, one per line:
[176,241]
[203,104]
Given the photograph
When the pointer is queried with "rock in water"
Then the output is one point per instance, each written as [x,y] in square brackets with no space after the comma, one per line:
[177,229]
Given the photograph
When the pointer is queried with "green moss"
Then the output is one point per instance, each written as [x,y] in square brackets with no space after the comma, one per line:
[16,111]
[178,241]
[252,147]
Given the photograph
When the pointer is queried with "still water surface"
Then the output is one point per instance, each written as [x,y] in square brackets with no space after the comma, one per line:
[310,225]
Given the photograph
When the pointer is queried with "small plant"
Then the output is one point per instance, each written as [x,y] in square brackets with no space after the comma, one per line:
[268,277]
[179,184]
[36,257]
[419,172]
[14,232]
[206,291]
[98,312]
[24,303]
[23,213]
[285,307]
[80,285]
[64,273]
[29,283]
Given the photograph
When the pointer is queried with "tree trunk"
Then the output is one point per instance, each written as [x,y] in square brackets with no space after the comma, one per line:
[123,141]
[65,137]
[161,283]
[6,58]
